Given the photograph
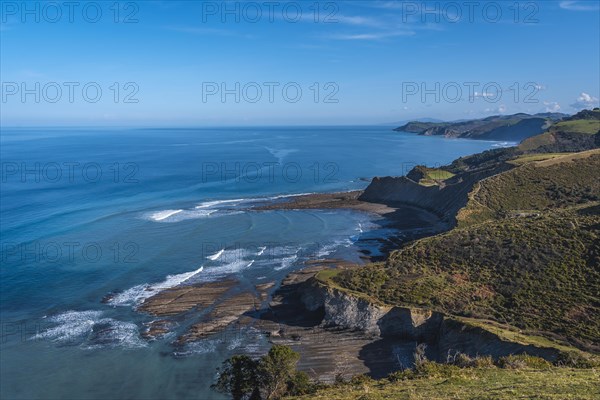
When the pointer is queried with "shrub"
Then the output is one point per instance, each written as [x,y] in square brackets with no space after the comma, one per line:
[431,369]
[276,369]
[300,384]
[361,380]
[576,360]
[398,376]
[238,377]
[463,360]
[273,376]
[521,361]
[484,362]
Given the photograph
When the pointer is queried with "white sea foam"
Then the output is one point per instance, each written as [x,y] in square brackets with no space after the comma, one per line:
[286,262]
[222,263]
[139,293]
[330,248]
[504,144]
[206,346]
[161,215]
[230,262]
[216,255]
[213,203]
[211,208]
[90,330]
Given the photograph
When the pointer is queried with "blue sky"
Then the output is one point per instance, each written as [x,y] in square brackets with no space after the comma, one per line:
[186,63]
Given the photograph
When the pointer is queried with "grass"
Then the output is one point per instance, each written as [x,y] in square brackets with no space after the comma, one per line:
[433,176]
[512,334]
[538,274]
[590,127]
[474,383]
[532,143]
[551,183]
[429,176]
[438,174]
[326,275]
[535,157]
[525,253]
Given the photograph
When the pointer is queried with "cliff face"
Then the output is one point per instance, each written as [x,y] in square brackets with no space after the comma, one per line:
[346,311]
[445,201]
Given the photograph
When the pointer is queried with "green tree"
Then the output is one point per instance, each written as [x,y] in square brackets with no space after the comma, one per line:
[238,377]
[300,384]
[276,370]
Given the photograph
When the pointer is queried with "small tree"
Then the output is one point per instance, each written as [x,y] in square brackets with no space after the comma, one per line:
[276,370]
[238,377]
[300,384]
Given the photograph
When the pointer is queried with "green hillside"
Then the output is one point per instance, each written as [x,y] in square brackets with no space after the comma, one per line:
[526,251]
[472,384]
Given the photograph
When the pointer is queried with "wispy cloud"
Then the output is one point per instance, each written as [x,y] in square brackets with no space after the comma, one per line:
[358,20]
[201,31]
[575,5]
[370,35]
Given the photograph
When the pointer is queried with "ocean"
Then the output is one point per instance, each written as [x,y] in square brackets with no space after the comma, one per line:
[122,214]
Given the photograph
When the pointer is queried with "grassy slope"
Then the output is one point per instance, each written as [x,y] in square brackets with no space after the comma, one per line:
[526,254]
[540,274]
[554,182]
[581,126]
[482,383]
[435,175]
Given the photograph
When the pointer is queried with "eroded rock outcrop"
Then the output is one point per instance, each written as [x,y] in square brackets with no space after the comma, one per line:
[447,335]
[184,298]
[223,315]
[445,200]
[347,311]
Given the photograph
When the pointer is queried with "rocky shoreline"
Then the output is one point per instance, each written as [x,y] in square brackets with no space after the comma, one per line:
[279,311]
[336,332]
[409,220]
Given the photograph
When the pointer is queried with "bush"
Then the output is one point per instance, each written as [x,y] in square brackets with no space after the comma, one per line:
[238,377]
[398,376]
[273,376]
[522,361]
[484,362]
[463,360]
[300,384]
[576,360]
[276,369]
[361,380]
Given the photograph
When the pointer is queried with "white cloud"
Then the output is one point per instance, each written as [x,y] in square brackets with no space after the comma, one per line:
[499,110]
[357,20]
[552,106]
[577,5]
[585,101]
[371,36]
[201,31]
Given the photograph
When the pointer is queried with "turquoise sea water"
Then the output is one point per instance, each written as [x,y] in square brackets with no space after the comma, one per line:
[88,213]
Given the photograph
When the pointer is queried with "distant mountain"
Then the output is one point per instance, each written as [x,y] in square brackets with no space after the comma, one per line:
[514,127]
[398,123]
